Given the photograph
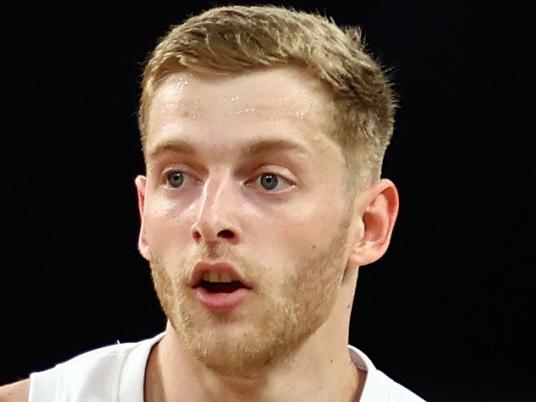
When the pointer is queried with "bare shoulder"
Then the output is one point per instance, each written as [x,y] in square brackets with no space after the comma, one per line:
[15,392]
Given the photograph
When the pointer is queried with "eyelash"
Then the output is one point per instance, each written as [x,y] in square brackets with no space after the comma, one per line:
[289,183]
[280,178]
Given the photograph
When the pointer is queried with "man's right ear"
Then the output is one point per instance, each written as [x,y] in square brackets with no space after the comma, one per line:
[143,246]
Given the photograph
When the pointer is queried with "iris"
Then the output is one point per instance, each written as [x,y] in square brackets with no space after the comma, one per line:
[175,179]
[269,181]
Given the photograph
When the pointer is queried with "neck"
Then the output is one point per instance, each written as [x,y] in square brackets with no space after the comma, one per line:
[320,370]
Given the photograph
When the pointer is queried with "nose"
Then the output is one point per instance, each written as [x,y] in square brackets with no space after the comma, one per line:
[216,220]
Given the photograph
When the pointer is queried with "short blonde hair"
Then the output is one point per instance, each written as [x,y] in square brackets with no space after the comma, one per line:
[233,39]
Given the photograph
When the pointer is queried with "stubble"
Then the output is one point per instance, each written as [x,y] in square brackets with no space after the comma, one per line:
[284,316]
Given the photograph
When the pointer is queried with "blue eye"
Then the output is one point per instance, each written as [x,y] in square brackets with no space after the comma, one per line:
[269,181]
[175,178]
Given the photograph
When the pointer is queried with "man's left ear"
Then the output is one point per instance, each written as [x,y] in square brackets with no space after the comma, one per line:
[377,208]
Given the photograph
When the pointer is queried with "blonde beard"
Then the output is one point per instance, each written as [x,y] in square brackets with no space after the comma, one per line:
[280,324]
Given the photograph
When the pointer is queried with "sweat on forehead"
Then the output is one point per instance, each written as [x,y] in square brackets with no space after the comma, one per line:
[245,83]
[236,39]
[291,96]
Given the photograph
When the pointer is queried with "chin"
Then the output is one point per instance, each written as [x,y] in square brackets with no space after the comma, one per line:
[246,346]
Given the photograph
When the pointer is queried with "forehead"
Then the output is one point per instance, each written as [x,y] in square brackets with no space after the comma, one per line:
[282,101]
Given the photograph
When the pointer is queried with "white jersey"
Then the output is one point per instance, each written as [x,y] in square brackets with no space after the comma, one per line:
[117,373]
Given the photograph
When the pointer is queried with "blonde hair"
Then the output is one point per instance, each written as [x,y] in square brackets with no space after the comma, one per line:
[233,39]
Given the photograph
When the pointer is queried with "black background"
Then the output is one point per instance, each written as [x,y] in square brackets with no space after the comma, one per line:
[447,312]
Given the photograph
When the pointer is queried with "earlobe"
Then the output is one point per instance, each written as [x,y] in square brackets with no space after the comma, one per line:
[377,221]
[143,246]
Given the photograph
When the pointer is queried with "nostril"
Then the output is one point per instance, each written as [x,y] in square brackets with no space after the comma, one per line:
[211,237]
[226,234]
[196,235]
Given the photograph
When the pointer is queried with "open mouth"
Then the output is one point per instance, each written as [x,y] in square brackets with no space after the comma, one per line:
[221,287]
[220,282]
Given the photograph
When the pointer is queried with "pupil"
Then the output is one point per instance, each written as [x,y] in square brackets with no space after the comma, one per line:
[175,179]
[269,181]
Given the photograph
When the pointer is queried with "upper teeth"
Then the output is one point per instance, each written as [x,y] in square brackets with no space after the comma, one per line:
[212,276]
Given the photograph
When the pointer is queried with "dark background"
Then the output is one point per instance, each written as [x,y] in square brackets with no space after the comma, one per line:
[446,312]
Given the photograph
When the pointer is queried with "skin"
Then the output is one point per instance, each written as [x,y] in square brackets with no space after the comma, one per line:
[301,244]
[16,392]
[302,256]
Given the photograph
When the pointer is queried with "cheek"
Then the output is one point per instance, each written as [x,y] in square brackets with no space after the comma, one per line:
[164,226]
[303,232]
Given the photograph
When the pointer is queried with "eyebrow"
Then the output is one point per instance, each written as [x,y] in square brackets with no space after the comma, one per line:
[265,146]
[256,148]
[172,146]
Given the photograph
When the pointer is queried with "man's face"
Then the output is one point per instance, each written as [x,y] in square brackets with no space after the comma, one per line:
[241,171]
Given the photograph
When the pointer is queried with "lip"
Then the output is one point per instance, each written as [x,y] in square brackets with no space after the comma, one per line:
[219,267]
[219,301]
